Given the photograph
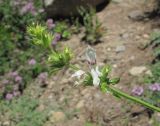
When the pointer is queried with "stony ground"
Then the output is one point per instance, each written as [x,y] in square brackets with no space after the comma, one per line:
[122,47]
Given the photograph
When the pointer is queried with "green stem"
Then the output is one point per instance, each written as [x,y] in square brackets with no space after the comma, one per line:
[122,94]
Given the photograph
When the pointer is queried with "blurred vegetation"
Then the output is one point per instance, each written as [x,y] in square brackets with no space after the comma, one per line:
[15,47]
[22,112]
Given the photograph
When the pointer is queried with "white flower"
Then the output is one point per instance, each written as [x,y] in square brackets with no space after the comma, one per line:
[78,74]
[95,75]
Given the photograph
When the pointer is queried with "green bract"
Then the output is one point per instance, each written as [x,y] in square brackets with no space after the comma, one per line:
[60,59]
[40,35]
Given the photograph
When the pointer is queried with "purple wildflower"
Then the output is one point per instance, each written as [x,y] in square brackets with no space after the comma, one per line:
[137,91]
[50,24]
[13,74]
[9,96]
[29,7]
[43,76]
[32,62]
[57,37]
[18,79]
[155,87]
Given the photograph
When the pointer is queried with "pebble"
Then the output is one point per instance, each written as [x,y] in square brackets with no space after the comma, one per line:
[124,35]
[137,70]
[80,104]
[57,116]
[135,15]
[120,48]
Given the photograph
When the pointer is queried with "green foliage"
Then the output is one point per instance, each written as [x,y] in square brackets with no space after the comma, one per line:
[155,41]
[88,80]
[22,112]
[105,80]
[15,49]
[156,72]
[40,35]
[155,68]
[93,28]
[58,60]
[63,29]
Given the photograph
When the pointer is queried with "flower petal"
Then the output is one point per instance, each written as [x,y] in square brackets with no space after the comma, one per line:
[97,71]
[78,74]
[95,77]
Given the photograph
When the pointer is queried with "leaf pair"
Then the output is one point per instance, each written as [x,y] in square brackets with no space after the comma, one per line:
[58,60]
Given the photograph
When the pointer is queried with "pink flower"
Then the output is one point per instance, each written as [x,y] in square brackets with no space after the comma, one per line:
[29,7]
[18,79]
[155,87]
[137,91]
[13,74]
[50,23]
[57,37]
[9,96]
[32,62]
[43,76]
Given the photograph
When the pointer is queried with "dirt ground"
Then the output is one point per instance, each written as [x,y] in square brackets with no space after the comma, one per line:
[75,106]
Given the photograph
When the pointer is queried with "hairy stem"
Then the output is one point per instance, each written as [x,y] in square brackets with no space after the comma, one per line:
[137,100]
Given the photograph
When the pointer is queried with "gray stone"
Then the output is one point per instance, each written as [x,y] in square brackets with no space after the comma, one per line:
[124,35]
[120,48]
[138,70]
[136,15]
[68,7]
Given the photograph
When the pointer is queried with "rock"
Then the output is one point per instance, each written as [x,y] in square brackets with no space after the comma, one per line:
[146,36]
[57,116]
[120,48]
[108,49]
[115,66]
[138,70]
[132,58]
[124,35]
[136,15]
[6,123]
[80,104]
[149,73]
[68,7]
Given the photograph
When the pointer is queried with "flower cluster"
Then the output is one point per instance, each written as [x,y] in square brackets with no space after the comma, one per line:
[32,62]
[155,87]
[11,85]
[50,24]
[43,77]
[96,77]
[29,8]
[138,90]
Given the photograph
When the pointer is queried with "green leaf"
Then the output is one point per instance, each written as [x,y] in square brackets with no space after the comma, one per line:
[88,80]
[105,70]
[114,81]
[66,34]
[103,87]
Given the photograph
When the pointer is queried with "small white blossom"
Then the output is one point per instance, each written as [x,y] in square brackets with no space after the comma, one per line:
[78,74]
[95,75]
